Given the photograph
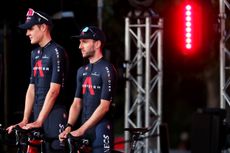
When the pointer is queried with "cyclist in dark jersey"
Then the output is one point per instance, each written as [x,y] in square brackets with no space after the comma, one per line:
[94,94]
[44,95]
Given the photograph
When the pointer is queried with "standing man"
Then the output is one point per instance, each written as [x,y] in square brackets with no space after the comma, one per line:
[44,96]
[94,93]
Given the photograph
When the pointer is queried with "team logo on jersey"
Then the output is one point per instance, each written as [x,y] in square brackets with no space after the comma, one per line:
[88,84]
[38,67]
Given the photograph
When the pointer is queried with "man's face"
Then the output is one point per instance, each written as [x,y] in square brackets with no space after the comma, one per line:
[87,47]
[35,34]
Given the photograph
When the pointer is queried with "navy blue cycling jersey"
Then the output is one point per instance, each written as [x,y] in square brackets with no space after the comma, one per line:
[95,82]
[47,65]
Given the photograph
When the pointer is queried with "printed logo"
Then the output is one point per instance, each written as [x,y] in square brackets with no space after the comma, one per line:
[61,128]
[45,57]
[106,143]
[88,84]
[38,67]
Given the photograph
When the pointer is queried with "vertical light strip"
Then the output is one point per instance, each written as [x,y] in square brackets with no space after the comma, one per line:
[188,26]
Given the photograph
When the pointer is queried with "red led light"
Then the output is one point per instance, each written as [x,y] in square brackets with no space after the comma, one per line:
[188,26]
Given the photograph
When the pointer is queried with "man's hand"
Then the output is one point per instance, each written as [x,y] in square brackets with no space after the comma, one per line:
[10,128]
[62,136]
[77,133]
[35,124]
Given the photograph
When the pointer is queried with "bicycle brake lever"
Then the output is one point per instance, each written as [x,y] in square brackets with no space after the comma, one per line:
[85,142]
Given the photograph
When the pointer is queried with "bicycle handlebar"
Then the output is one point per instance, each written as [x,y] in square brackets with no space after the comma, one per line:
[35,133]
[78,139]
[32,137]
[27,131]
[78,143]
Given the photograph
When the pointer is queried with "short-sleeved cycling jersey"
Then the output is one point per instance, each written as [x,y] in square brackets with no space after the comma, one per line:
[48,65]
[95,82]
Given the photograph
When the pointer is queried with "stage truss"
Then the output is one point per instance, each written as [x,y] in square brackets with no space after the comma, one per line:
[144,73]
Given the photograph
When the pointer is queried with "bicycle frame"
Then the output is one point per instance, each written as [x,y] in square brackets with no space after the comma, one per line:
[29,140]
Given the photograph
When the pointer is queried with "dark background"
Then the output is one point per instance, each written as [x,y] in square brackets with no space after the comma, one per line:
[187,79]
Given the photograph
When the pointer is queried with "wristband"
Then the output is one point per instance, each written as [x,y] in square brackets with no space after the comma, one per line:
[69,125]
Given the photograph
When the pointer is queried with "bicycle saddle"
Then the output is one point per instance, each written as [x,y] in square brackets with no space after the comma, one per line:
[137,130]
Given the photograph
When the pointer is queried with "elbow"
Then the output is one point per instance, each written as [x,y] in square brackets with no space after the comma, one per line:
[105,109]
[105,106]
[54,90]
[54,93]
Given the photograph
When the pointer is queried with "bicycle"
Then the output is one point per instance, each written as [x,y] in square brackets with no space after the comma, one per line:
[26,141]
[136,135]
[29,140]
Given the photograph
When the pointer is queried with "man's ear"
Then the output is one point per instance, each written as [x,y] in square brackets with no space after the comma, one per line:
[98,44]
[44,27]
